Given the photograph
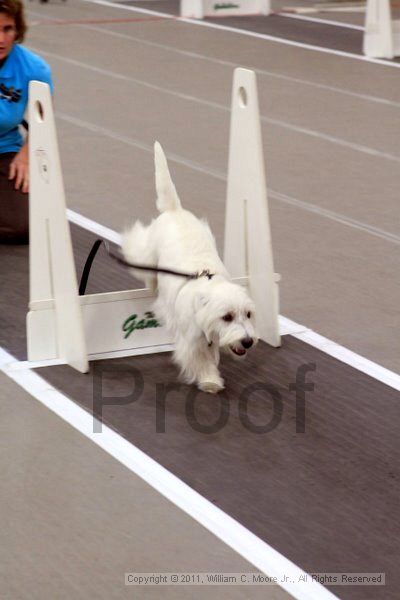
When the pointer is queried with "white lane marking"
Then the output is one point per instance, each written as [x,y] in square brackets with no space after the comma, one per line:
[330,138]
[248,33]
[233,65]
[232,533]
[23,365]
[138,144]
[339,218]
[344,355]
[220,176]
[278,123]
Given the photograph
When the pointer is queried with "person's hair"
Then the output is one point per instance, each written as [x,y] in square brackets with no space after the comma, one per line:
[15,9]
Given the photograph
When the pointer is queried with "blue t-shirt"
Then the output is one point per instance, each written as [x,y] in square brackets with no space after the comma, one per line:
[20,67]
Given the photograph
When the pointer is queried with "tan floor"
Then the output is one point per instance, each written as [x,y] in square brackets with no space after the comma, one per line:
[74,520]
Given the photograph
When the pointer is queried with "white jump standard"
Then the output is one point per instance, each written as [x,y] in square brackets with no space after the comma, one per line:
[382,32]
[62,327]
[198,9]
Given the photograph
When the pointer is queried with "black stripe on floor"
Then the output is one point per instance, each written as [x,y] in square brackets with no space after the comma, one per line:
[322,35]
[321,486]
[326,497]
[105,276]
[305,32]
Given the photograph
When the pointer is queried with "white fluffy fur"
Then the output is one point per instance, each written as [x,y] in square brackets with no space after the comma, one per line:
[192,310]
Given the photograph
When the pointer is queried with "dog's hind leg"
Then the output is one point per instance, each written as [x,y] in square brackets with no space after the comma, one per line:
[137,247]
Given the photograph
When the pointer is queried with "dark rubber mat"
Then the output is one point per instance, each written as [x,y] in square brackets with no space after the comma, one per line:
[315,474]
[169,7]
[322,35]
[305,32]
[105,276]
[14,298]
[326,495]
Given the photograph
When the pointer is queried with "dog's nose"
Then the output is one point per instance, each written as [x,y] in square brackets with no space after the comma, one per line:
[246,342]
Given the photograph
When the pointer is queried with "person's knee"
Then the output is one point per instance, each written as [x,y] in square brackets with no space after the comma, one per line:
[14,218]
[15,236]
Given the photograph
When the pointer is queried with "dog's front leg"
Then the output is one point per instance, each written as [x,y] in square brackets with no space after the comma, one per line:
[209,379]
[199,364]
[211,382]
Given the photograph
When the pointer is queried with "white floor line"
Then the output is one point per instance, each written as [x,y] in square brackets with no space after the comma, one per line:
[232,533]
[344,355]
[337,217]
[220,176]
[233,65]
[248,33]
[22,365]
[115,237]
[287,326]
[139,144]
[321,21]
[276,122]
[333,140]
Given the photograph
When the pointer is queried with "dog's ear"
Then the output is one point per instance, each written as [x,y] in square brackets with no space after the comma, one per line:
[200,301]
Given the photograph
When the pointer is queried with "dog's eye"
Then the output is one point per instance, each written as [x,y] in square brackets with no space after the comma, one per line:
[228,317]
[248,315]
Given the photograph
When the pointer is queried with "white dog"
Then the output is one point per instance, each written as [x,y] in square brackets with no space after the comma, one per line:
[205,314]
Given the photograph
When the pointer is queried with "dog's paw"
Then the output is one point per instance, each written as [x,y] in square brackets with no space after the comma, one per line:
[211,387]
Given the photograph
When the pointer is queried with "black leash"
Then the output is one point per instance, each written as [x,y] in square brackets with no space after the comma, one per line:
[122,261]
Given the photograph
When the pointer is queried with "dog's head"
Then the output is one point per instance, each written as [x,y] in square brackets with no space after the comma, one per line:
[225,314]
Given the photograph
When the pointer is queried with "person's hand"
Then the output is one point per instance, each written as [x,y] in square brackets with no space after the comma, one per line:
[19,170]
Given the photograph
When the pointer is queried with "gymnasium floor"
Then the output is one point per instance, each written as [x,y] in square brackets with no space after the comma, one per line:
[78,515]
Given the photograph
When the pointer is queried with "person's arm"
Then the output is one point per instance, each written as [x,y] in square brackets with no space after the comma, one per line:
[19,168]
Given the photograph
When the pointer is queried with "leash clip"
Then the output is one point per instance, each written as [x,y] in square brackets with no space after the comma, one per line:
[205,273]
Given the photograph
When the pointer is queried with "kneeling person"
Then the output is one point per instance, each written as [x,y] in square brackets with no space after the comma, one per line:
[18,66]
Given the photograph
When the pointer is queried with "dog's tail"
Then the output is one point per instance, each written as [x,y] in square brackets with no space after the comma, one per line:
[167,198]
